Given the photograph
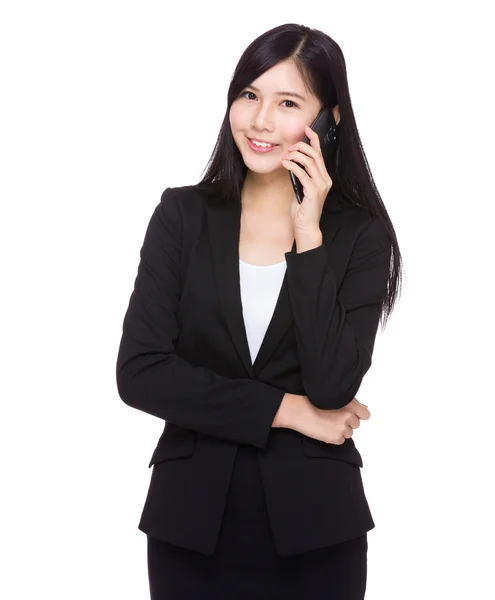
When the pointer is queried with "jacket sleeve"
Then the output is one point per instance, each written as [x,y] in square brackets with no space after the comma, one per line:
[336,329]
[153,378]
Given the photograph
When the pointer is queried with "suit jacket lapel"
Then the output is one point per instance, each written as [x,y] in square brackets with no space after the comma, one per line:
[224,231]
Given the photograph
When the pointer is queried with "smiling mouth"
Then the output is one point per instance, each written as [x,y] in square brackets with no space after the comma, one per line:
[260,142]
[261,149]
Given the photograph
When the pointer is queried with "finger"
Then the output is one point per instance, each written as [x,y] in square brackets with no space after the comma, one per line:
[314,138]
[361,403]
[311,175]
[362,412]
[303,148]
[354,422]
[298,157]
[299,171]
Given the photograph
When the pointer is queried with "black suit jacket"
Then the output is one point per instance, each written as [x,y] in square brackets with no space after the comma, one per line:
[184,357]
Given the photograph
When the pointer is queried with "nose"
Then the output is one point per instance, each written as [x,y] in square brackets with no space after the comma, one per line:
[262,120]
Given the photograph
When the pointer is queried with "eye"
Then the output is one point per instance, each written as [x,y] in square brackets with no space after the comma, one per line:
[248,92]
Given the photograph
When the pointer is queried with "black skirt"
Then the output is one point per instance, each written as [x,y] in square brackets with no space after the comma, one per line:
[246,565]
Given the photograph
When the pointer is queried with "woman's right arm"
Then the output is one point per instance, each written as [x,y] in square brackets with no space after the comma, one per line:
[153,378]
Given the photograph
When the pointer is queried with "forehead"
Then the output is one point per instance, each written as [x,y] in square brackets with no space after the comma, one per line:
[283,77]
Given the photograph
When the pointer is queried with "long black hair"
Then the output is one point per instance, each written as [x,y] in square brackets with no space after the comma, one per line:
[321,64]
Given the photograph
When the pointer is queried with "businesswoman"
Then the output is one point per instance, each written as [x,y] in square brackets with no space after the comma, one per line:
[249,330]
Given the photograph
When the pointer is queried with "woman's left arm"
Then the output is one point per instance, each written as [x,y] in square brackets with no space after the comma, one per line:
[336,332]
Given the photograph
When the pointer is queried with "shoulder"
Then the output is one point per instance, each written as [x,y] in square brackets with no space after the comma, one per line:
[185,195]
[354,218]
[182,202]
[360,233]
[361,223]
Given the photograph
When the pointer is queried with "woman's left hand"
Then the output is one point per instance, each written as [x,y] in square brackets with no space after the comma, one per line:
[315,180]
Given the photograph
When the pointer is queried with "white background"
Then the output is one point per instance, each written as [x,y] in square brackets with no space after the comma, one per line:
[104,105]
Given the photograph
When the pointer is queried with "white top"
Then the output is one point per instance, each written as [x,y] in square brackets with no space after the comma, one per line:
[260,289]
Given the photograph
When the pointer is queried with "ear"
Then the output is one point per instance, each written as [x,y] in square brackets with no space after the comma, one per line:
[336,113]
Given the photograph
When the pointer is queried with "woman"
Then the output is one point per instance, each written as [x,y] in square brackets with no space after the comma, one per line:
[250,328]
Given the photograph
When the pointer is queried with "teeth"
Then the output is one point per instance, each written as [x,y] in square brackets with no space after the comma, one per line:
[262,144]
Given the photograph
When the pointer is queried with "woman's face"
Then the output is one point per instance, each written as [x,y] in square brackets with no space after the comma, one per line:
[262,113]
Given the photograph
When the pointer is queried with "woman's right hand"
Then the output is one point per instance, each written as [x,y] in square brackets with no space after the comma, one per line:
[332,426]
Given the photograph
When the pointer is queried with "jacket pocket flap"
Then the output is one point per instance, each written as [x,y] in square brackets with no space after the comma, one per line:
[346,451]
[173,445]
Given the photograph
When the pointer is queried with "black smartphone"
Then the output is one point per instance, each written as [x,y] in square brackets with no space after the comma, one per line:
[326,128]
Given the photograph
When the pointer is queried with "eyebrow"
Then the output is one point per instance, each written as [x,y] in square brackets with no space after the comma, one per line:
[281,93]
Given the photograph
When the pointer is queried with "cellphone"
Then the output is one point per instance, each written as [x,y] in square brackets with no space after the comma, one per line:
[326,128]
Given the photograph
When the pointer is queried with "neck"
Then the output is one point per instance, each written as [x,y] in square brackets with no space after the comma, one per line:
[269,195]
